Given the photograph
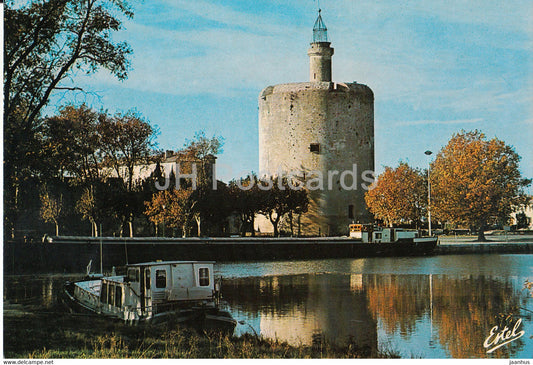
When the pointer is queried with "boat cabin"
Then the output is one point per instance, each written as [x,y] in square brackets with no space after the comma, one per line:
[150,289]
[388,235]
[159,282]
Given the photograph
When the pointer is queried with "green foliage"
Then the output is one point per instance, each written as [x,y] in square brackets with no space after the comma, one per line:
[284,197]
[45,41]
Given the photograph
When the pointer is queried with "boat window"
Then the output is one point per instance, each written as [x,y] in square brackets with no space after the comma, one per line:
[118,296]
[111,295]
[203,274]
[160,278]
[147,278]
[103,293]
[378,236]
[133,275]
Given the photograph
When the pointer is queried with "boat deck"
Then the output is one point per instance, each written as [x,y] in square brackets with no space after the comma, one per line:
[94,286]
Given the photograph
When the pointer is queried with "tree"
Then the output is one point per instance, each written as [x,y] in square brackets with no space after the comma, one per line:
[282,198]
[71,143]
[127,140]
[475,181]
[201,146]
[45,41]
[172,208]
[399,194]
[522,220]
[245,200]
[201,151]
[51,208]
[90,208]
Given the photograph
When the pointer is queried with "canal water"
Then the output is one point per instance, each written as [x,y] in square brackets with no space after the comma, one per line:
[421,307]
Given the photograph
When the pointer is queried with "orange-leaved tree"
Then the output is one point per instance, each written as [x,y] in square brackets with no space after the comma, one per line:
[399,195]
[475,181]
[172,208]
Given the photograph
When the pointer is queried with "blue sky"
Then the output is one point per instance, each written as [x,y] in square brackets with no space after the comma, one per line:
[435,67]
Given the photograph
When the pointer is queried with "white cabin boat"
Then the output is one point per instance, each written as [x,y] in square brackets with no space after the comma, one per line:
[394,241]
[154,292]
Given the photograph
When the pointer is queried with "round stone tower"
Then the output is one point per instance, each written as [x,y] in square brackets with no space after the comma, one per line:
[322,133]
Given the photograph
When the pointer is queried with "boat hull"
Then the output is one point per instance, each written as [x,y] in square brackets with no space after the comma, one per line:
[200,318]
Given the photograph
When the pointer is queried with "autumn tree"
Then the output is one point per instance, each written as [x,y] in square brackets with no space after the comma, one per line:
[200,153]
[172,208]
[475,181]
[399,194]
[90,207]
[51,208]
[44,43]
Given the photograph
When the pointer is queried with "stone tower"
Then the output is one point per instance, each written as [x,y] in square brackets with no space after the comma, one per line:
[320,131]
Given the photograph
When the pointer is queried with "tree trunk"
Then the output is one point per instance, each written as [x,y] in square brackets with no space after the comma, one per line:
[290,223]
[198,220]
[95,229]
[57,228]
[481,234]
[130,224]
[253,224]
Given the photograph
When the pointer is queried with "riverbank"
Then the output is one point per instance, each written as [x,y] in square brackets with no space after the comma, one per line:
[33,334]
[72,254]
[510,244]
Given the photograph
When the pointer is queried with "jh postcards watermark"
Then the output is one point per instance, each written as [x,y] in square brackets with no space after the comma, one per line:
[316,180]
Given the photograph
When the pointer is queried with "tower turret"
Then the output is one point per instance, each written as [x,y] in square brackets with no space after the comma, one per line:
[320,52]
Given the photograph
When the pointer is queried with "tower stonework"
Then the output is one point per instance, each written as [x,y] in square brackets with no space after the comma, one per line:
[320,129]
[320,61]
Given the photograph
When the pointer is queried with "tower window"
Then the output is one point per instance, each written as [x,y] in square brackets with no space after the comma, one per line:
[314,147]
[350,211]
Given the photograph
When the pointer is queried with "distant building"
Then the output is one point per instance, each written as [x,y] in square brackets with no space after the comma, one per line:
[320,128]
[167,164]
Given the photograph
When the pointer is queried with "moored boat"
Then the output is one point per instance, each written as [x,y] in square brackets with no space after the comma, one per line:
[154,292]
[397,241]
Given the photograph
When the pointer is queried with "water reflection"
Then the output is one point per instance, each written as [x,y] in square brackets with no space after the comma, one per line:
[435,307]
[420,315]
[298,307]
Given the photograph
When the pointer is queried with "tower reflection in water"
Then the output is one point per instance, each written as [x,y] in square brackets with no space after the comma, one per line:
[437,314]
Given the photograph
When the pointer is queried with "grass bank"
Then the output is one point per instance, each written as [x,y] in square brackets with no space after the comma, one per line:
[53,335]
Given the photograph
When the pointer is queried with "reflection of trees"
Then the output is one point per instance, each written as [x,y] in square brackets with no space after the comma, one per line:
[398,300]
[464,309]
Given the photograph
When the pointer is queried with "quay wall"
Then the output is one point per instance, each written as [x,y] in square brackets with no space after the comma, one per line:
[71,255]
